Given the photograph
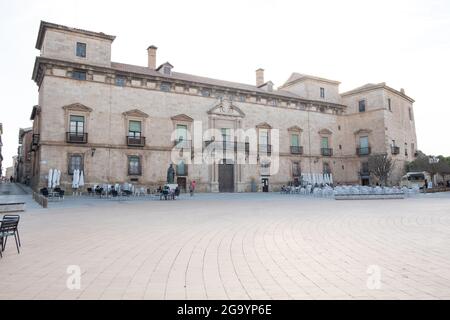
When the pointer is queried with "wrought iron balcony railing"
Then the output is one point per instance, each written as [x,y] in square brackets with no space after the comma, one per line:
[135,141]
[296,150]
[326,152]
[363,151]
[75,137]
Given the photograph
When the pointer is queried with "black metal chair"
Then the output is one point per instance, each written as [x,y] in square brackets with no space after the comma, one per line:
[9,228]
[14,217]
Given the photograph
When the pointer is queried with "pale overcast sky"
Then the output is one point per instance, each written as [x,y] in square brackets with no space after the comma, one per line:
[403,43]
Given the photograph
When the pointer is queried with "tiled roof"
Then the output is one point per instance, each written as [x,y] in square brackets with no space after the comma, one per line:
[198,79]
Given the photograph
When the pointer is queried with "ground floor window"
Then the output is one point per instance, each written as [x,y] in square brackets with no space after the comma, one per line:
[75,163]
[134,166]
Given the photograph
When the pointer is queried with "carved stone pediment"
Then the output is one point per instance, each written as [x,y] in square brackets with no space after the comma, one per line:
[77,107]
[264,125]
[325,132]
[295,129]
[182,117]
[135,113]
[362,131]
[227,108]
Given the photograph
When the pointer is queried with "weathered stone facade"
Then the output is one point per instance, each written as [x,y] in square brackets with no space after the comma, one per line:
[110,98]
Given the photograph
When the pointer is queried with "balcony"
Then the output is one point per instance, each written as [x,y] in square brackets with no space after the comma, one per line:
[265,148]
[296,150]
[182,170]
[135,141]
[73,137]
[363,151]
[395,150]
[326,152]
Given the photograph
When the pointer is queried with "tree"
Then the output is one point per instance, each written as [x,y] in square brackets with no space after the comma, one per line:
[423,163]
[380,166]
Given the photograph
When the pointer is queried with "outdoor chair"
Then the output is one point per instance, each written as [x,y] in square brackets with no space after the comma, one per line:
[9,228]
[90,192]
[14,217]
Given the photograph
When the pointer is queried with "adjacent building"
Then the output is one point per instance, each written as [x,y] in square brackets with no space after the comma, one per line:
[23,168]
[121,123]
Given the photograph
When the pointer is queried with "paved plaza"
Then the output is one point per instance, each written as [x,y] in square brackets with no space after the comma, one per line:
[232,246]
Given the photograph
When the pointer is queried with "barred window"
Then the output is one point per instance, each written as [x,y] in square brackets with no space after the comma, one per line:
[134,166]
[79,75]
[75,163]
[121,81]
[165,86]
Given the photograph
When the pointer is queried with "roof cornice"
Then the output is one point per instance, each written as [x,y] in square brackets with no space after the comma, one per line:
[37,76]
[47,25]
[376,87]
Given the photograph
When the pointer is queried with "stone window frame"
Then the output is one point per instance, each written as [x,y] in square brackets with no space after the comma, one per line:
[299,168]
[140,167]
[77,109]
[69,161]
[295,130]
[364,104]
[363,133]
[322,93]
[136,115]
[389,102]
[184,120]
[83,52]
[79,77]
[267,127]
[325,133]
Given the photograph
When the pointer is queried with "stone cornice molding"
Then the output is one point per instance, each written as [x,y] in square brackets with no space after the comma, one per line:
[325,132]
[135,113]
[182,117]
[77,107]
[295,129]
[362,131]
[264,125]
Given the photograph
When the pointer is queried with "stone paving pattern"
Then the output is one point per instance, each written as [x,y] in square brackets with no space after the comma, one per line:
[237,246]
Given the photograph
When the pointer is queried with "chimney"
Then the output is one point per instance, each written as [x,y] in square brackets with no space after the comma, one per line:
[259,77]
[402,91]
[152,57]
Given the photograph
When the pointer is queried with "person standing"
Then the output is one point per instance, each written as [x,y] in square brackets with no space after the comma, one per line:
[192,187]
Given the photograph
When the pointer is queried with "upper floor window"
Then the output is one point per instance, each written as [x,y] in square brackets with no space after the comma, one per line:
[167,70]
[182,135]
[121,81]
[79,75]
[134,129]
[241,98]
[134,166]
[322,93]
[81,50]
[76,125]
[75,163]
[206,92]
[325,143]
[362,105]
[165,86]
[389,105]
[295,140]
[410,113]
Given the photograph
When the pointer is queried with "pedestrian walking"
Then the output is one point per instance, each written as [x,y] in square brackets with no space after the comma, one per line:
[192,188]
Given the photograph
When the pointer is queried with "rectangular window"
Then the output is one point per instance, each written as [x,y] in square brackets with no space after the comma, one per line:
[182,135]
[181,168]
[324,143]
[206,93]
[79,75]
[121,81]
[134,165]
[166,70]
[365,167]
[295,141]
[389,105]
[364,142]
[326,168]
[410,114]
[81,50]
[165,86]
[406,149]
[134,129]
[263,137]
[322,93]
[362,105]
[393,143]
[413,149]
[76,125]
[296,171]
[75,163]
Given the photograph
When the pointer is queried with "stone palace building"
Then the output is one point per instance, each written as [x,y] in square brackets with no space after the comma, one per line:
[121,123]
